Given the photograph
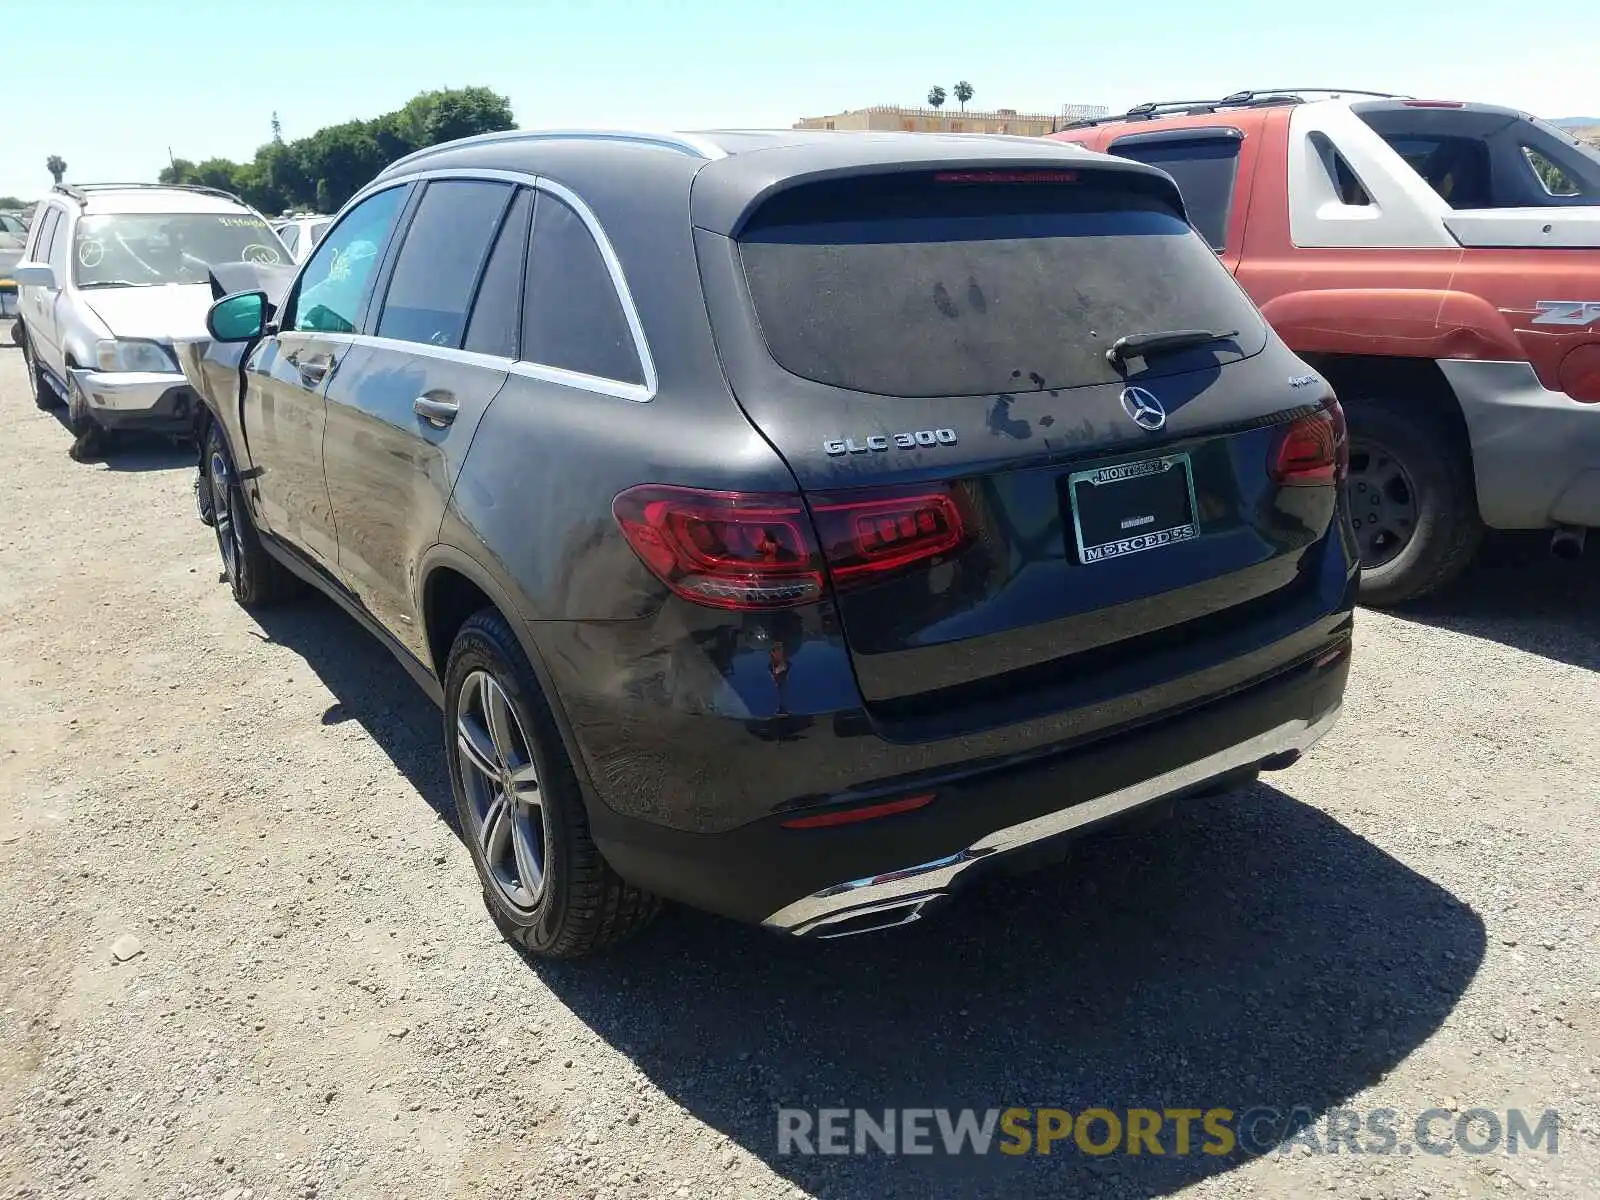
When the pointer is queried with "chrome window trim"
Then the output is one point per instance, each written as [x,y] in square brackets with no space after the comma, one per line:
[620,388]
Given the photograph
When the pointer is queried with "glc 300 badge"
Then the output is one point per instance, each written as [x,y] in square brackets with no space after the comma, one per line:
[900,441]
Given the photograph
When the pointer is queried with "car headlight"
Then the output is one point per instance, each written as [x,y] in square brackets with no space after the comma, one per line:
[119,355]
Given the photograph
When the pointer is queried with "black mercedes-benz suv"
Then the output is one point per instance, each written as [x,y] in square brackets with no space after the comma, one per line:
[789,523]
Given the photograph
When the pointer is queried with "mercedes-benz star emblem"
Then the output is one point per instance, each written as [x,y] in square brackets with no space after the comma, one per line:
[1143,409]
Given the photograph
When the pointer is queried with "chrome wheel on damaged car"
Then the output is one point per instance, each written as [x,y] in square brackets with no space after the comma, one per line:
[501,784]
[256,577]
[221,480]
[520,807]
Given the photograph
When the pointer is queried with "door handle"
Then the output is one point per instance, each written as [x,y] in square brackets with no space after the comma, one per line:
[437,409]
[314,370]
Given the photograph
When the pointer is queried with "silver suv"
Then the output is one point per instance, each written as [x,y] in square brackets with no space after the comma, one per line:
[111,275]
[301,233]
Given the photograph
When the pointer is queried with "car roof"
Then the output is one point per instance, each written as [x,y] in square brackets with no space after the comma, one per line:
[157,200]
[100,199]
[733,170]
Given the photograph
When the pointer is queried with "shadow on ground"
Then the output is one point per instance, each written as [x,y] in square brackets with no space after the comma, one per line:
[132,451]
[1251,953]
[1519,596]
[370,688]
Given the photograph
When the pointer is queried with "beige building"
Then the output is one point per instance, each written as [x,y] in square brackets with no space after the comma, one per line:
[892,117]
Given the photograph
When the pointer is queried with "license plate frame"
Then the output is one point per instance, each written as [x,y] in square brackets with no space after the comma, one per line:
[1136,538]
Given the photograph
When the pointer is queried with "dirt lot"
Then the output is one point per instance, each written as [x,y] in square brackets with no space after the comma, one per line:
[316,1004]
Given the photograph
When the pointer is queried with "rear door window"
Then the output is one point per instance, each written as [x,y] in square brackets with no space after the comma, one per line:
[437,270]
[1204,164]
[954,283]
[496,318]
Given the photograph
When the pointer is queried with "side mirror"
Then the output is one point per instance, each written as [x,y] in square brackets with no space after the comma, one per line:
[34,274]
[238,318]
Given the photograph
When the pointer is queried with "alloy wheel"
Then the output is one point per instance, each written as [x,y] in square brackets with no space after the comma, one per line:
[1383,502]
[501,781]
[224,521]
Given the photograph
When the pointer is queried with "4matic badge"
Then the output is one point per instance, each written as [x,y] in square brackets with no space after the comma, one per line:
[882,441]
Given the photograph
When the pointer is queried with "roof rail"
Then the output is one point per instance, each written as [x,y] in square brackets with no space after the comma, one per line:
[1255,98]
[685,143]
[79,191]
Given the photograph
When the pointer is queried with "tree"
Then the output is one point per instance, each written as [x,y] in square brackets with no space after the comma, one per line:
[57,166]
[963,91]
[12,202]
[936,97]
[466,112]
[181,170]
[332,164]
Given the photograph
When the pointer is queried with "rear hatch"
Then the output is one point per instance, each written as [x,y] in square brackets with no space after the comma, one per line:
[928,351]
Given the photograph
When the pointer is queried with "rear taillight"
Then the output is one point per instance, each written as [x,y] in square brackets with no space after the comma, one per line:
[878,533]
[1313,450]
[747,550]
[742,550]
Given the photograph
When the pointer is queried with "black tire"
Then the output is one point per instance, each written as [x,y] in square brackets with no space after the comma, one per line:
[43,397]
[1408,451]
[90,440]
[257,579]
[580,905]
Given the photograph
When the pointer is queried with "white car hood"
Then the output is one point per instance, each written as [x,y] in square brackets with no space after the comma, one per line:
[174,310]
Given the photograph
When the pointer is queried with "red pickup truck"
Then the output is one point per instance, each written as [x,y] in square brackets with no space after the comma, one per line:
[1439,264]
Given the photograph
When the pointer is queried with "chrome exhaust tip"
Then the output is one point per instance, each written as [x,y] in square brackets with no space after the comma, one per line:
[1566,543]
[874,918]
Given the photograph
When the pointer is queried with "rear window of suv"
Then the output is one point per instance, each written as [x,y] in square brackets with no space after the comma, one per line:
[953,283]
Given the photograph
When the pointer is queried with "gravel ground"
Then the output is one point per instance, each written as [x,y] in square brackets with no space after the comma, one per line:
[313,1002]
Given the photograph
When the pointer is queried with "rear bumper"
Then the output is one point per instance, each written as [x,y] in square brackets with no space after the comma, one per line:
[847,879]
[1535,453]
[156,401]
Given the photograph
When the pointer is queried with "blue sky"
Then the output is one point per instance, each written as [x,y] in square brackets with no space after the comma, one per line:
[109,84]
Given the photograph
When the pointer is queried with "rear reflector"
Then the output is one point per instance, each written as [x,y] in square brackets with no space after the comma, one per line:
[1313,450]
[1329,657]
[870,812]
[748,550]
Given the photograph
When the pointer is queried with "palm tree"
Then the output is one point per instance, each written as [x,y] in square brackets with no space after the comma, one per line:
[57,166]
[936,97]
[963,91]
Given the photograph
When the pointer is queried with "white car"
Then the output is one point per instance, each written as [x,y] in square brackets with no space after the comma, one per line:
[111,275]
[302,233]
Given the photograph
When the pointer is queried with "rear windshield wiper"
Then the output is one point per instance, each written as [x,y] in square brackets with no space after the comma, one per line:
[1142,345]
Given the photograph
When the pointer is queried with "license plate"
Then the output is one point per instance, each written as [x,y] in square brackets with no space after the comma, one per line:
[1134,506]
